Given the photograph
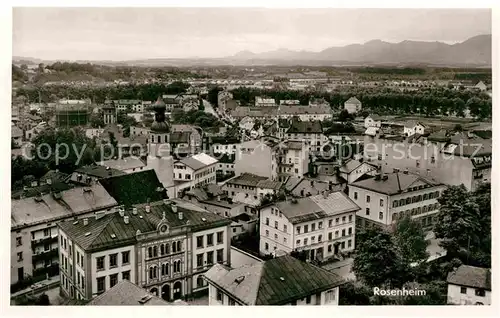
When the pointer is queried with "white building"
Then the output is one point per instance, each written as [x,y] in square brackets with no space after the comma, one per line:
[283,280]
[306,113]
[469,285]
[290,102]
[264,102]
[197,170]
[481,86]
[222,98]
[321,225]
[352,105]
[352,170]
[152,245]
[373,121]
[385,198]
[127,165]
[412,127]
[34,231]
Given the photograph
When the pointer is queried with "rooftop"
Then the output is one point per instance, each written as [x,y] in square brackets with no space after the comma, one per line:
[353,100]
[471,276]
[123,164]
[278,281]
[135,188]
[126,293]
[269,184]
[301,110]
[310,127]
[395,183]
[198,161]
[247,179]
[316,207]
[59,205]
[98,171]
[110,230]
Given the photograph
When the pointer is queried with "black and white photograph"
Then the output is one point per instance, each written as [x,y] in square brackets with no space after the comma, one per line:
[250,156]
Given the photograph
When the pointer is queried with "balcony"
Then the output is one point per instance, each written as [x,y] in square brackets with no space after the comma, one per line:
[50,254]
[45,240]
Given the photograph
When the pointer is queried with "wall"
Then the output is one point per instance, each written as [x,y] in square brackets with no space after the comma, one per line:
[470,298]
[240,258]
[273,243]
[247,161]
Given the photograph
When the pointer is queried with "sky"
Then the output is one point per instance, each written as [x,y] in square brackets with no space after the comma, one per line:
[140,33]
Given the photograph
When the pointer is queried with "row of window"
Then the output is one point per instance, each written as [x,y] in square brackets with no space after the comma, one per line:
[164,249]
[237,186]
[204,173]
[368,198]
[320,224]
[414,199]
[415,211]
[113,280]
[165,269]
[200,262]
[341,246]
[477,291]
[113,260]
[80,281]
[210,239]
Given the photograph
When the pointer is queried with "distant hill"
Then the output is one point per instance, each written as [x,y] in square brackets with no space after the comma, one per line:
[474,52]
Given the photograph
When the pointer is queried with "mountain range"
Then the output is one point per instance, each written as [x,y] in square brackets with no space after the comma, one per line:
[473,52]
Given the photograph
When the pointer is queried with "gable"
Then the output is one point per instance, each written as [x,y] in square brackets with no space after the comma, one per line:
[417,183]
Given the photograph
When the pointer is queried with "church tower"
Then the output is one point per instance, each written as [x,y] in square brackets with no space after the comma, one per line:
[159,153]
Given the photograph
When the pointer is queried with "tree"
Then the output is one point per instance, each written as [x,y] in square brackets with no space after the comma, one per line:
[43,300]
[458,128]
[213,96]
[21,167]
[345,116]
[97,120]
[377,261]
[354,293]
[410,239]
[464,224]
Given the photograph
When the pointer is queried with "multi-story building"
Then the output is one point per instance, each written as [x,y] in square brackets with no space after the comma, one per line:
[306,113]
[290,102]
[373,121]
[246,183]
[469,285]
[222,98]
[164,247]
[352,105]
[72,113]
[284,280]
[109,114]
[321,225]
[127,165]
[452,160]
[34,230]
[311,132]
[264,102]
[197,170]
[292,159]
[385,198]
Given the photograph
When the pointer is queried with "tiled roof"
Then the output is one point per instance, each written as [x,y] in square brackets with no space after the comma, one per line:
[353,100]
[394,183]
[135,188]
[310,127]
[316,207]
[54,176]
[298,110]
[123,164]
[99,231]
[97,171]
[269,184]
[242,111]
[126,293]
[42,189]
[278,281]
[247,179]
[471,276]
[349,166]
[67,203]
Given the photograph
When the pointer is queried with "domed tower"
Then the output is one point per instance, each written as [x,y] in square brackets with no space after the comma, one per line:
[159,154]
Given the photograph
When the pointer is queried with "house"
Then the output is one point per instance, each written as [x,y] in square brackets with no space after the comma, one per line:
[34,236]
[264,102]
[127,165]
[302,187]
[352,170]
[283,280]
[322,226]
[222,98]
[481,86]
[213,199]
[289,102]
[93,132]
[352,105]
[197,170]
[310,132]
[126,293]
[373,121]
[110,113]
[83,175]
[245,183]
[306,113]
[171,102]
[469,285]
[412,127]
[385,198]
[246,123]
[163,246]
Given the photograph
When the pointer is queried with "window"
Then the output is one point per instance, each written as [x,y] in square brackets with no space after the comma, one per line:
[395,204]
[46,232]
[320,237]
[267,221]
[178,245]
[284,228]
[164,269]
[367,199]
[113,279]
[349,243]
[19,241]
[349,231]
[220,256]
[267,232]
[126,275]
[155,251]
[330,236]
[232,302]
[81,261]
[330,296]
[336,234]
[320,225]
[305,241]
[101,284]
[220,296]
[355,195]
[220,239]
[125,257]
[284,240]
[199,241]
[342,245]
[298,229]
[100,263]
[210,239]
[330,223]
[70,250]
[19,256]
[313,227]
[337,220]
[330,248]
[367,211]
[276,224]
[350,218]
[381,202]
[113,260]
[308,299]
[343,232]
[463,290]
[266,246]
[380,215]
[210,257]
[150,252]
[480,292]
[306,228]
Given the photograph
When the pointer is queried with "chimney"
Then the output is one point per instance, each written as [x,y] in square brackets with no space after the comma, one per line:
[181,216]
[406,171]
[125,219]
[48,181]
[148,208]
[85,221]
[325,194]
[218,197]
[134,211]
